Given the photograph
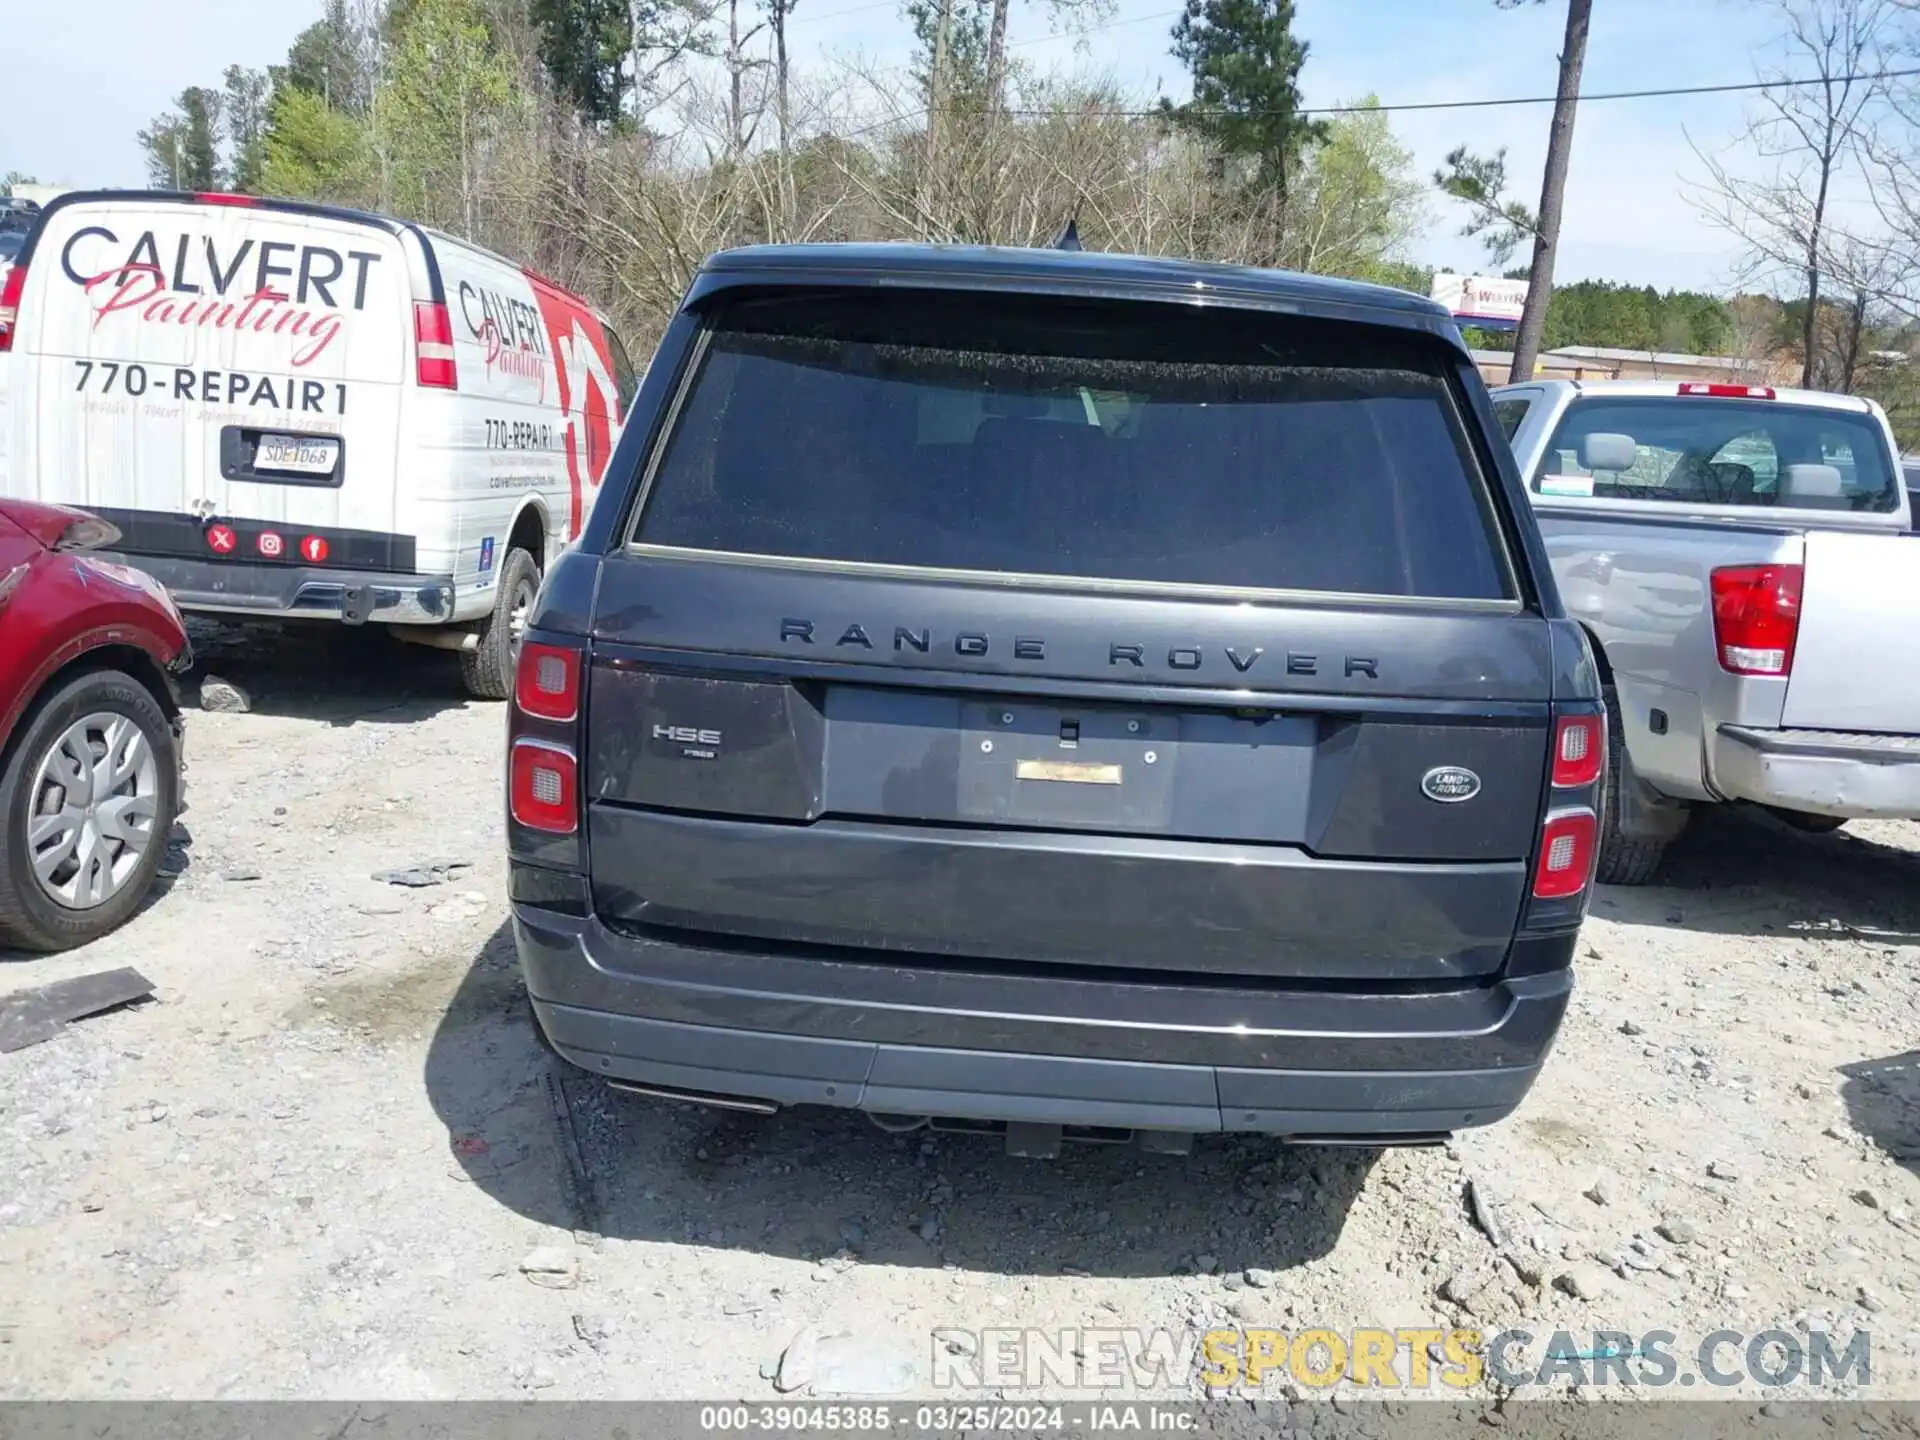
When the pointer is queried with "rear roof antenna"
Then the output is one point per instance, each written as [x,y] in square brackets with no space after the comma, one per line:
[1069,238]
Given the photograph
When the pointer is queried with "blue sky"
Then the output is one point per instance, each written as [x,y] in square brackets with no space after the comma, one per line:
[71,103]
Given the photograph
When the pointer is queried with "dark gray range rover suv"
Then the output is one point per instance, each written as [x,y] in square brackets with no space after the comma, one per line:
[1076,693]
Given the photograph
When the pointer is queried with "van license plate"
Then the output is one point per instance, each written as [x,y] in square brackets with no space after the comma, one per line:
[303,457]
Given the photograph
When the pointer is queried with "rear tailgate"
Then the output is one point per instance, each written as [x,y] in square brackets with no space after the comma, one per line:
[1079,634]
[1856,665]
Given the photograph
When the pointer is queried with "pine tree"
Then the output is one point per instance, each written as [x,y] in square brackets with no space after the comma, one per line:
[244,112]
[1245,61]
[583,45]
[183,145]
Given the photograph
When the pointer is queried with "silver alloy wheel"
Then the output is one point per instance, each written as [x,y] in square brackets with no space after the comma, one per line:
[90,810]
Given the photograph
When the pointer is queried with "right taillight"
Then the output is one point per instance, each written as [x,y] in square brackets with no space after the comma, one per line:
[10,292]
[1568,849]
[546,682]
[1756,617]
[544,787]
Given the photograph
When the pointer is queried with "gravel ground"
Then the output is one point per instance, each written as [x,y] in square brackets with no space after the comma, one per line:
[330,1159]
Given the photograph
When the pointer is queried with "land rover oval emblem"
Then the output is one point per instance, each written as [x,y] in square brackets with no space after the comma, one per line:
[1450,784]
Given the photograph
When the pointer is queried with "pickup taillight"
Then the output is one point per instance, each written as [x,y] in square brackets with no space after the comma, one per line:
[1756,617]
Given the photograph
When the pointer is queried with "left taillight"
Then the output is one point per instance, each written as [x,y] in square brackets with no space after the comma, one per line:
[544,787]
[543,765]
[433,346]
[10,292]
[1756,617]
[546,682]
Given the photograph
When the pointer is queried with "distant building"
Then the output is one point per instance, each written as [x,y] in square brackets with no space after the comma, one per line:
[39,194]
[1603,362]
[1495,365]
[1665,365]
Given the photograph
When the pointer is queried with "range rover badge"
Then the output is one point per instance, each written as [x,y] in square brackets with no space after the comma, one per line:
[1450,784]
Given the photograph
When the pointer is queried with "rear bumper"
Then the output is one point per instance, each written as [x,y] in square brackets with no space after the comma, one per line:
[1820,772]
[298,592]
[1077,1048]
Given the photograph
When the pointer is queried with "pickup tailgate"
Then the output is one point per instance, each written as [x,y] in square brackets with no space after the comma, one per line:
[1857,663]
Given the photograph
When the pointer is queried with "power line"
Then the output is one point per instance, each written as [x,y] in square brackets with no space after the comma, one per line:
[1547,99]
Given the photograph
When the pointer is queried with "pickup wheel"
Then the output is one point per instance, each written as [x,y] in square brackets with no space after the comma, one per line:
[87,804]
[487,669]
[1623,861]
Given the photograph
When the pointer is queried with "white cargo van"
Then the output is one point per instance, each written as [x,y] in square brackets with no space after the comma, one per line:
[298,412]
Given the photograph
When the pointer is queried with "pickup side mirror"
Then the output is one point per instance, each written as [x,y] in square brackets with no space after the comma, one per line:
[1605,450]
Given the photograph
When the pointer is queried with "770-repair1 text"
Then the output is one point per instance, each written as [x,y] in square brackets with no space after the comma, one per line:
[211,387]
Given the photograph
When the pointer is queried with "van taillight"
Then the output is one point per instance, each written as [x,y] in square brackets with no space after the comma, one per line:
[1579,750]
[544,787]
[433,345]
[1568,850]
[1756,617]
[10,293]
[546,683]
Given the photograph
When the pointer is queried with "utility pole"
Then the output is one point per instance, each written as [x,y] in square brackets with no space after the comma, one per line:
[1546,239]
[936,122]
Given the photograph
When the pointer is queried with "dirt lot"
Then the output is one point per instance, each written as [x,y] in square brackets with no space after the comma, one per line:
[316,1164]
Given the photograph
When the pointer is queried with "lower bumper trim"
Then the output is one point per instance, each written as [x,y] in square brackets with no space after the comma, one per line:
[898,1039]
[1044,1090]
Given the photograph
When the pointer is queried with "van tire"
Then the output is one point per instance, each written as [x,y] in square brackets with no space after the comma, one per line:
[31,919]
[1623,861]
[487,669]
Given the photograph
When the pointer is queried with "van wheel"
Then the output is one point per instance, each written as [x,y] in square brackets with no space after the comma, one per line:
[87,805]
[487,669]
[1623,861]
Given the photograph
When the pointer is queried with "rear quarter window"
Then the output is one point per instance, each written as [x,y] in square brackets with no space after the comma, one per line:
[1096,440]
[1509,414]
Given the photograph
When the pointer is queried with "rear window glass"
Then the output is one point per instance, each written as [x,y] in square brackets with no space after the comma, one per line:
[1509,414]
[1105,441]
[1719,452]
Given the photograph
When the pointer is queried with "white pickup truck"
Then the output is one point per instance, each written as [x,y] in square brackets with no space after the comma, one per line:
[1741,558]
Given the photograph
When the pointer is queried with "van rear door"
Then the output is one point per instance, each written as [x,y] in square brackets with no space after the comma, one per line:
[188,358]
[1070,632]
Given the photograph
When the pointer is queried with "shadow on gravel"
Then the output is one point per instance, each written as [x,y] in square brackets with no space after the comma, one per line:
[553,1144]
[324,671]
[1739,871]
[1883,1103]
